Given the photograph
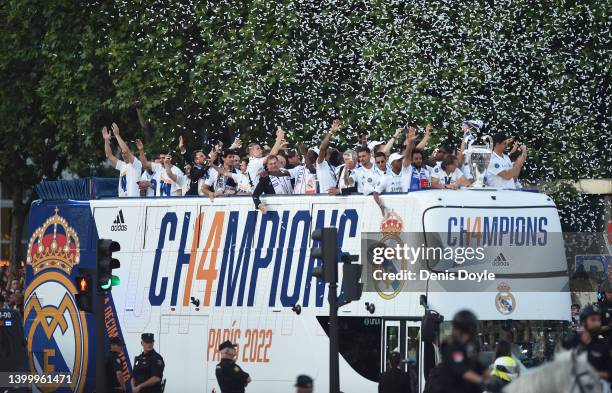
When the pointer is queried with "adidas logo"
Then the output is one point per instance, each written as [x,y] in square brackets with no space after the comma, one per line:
[501,260]
[119,224]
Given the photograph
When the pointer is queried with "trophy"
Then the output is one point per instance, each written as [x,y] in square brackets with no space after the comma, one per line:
[478,157]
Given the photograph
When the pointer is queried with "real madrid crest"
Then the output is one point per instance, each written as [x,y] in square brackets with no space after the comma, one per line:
[390,229]
[56,330]
[505,302]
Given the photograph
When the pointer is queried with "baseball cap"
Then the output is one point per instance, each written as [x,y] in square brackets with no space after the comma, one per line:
[373,144]
[303,381]
[226,344]
[395,156]
[147,337]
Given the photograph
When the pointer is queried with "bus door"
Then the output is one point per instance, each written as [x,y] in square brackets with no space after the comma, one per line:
[402,336]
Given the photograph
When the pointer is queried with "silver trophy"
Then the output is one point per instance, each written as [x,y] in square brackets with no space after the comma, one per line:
[478,157]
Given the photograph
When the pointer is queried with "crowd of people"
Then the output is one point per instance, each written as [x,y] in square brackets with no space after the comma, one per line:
[11,289]
[398,165]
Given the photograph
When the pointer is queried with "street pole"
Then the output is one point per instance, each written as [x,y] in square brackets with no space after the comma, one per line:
[334,368]
[100,333]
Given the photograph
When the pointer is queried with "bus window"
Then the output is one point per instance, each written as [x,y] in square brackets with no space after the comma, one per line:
[360,343]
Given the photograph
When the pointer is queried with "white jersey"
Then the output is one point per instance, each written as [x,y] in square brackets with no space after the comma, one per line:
[367,179]
[326,174]
[218,183]
[446,178]
[254,168]
[392,182]
[129,175]
[243,182]
[496,165]
[153,179]
[166,186]
[305,181]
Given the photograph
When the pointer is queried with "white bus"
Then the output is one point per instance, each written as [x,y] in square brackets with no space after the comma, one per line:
[195,273]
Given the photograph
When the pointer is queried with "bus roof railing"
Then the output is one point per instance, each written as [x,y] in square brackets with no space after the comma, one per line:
[104,188]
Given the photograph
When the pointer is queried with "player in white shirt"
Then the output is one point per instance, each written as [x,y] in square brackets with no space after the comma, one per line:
[244,185]
[418,176]
[326,173]
[501,172]
[256,158]
[395,180]
[218,183]
[345,183]
[166,179]
[447,175]
[305,175]
[366,176]
[129,168]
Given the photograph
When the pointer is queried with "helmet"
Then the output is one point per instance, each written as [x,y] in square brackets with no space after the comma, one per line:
[505,368]
[605,286]
[465,321]
[591,309]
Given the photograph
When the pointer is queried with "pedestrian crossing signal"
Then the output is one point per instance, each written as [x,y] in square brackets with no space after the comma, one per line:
[84,295]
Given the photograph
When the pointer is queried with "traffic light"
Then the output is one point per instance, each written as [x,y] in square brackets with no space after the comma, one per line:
[105,263]
[327,252]
[84,295]
[351,277]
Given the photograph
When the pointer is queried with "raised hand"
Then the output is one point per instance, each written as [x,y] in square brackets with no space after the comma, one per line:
[428,129]
[398,132]
[411,134]
[106,134]
[181,144]
[213,155]
[336,124]
[139,144]
[280,134]
[115,128]
[524,150]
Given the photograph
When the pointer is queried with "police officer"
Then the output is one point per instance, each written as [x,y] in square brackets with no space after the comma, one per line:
[394,379]
[606,309]
[114,376]
[303,384]
[231,378]
[148,368]
[596,347]
[462,373]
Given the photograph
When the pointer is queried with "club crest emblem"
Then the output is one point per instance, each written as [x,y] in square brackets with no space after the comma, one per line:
[390,229]
[505,302]
[56,329]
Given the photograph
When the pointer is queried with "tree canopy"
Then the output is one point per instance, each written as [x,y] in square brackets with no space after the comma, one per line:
[214,69]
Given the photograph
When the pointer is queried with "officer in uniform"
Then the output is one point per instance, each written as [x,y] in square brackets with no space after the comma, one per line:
[231,378]
[596,347]
[606,309]
[461,371]
[303,384]
[114,377]
[148,368]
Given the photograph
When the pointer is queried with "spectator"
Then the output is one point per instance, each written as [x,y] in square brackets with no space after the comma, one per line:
[501,171]
[14,286]
[168,178]
[394,379]
[448,176]
[3,303]
[129,168]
